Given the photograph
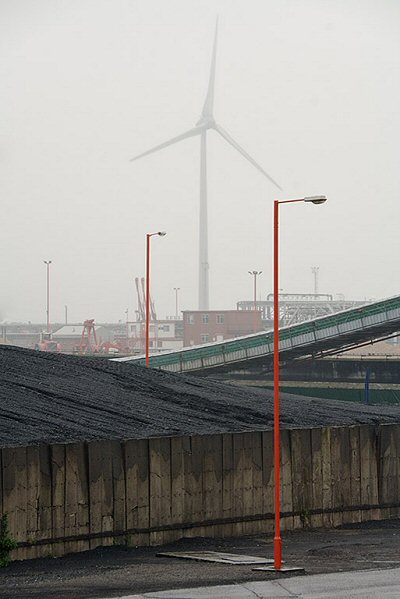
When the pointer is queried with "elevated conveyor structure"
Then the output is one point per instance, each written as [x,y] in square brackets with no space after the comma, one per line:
[312,339]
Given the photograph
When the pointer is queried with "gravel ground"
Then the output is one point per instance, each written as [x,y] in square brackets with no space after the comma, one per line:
[118,571]
[48,397]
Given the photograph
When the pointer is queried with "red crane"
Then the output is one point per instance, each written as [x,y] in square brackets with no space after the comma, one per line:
[153,315]
[88,342]
[140,310]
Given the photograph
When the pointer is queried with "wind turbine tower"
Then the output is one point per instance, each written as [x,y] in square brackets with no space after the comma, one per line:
[205,123]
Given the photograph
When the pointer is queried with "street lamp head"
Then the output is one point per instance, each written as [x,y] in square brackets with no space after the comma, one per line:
[316,199]
[161,233]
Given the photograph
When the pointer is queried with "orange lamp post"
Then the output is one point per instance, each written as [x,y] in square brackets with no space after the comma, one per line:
[255,274]
[148,237]
[277,537]
[47,263]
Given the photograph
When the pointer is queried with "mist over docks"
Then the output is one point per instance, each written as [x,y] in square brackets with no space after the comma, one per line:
[310,89]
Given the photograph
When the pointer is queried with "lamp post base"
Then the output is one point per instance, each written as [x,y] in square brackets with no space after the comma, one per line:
[281,570]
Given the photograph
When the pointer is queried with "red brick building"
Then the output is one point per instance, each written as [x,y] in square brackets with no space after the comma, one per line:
[201,326]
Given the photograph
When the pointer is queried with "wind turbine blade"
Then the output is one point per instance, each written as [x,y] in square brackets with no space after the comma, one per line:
[174,140]
[209,101]
[233,143]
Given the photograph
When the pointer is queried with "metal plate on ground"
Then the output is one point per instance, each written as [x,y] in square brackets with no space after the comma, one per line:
[282,570]
[218,557]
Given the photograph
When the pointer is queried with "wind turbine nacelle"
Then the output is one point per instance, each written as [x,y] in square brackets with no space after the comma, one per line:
[206,123]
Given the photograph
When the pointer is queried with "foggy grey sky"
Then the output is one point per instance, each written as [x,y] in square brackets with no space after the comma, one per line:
[310,88]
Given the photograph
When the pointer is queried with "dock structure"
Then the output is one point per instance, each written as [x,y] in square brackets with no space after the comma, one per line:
[316,338]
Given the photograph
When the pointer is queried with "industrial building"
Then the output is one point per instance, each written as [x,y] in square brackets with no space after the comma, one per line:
[200,326]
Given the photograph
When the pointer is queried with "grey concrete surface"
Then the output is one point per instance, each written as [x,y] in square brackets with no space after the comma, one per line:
[370,584]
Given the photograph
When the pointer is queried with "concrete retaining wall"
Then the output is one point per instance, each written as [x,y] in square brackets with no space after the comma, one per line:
[74,497]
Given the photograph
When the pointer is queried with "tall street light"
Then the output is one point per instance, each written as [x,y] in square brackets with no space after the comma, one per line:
[255,274]
[176,289]
[148,236]
[277,538]
[47,263]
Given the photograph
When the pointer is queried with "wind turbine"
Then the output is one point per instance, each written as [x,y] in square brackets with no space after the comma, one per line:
[206,122]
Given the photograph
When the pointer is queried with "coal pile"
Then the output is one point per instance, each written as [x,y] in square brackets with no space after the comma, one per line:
[57,398]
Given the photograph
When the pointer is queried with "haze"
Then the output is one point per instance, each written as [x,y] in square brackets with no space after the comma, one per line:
[310,89]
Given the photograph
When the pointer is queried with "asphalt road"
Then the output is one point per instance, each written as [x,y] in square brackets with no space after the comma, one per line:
[112,572]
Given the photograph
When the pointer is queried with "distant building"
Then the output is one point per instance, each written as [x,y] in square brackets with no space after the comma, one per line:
[21,334]
[200,326]
[298,307]
[69,336]
[164,335]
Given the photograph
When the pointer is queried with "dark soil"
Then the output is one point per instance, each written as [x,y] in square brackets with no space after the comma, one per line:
[48,397]
[117,571]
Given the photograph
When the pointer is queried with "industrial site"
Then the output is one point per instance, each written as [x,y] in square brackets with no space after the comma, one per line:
[200,336]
